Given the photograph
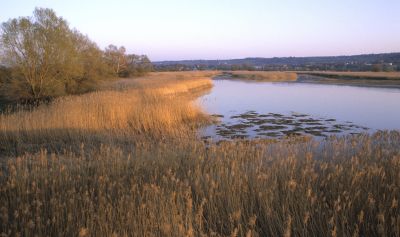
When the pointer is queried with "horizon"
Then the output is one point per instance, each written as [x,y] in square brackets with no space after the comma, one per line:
[179,30]
[312,56]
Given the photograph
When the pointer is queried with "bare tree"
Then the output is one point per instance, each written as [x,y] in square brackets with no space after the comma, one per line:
[116,58]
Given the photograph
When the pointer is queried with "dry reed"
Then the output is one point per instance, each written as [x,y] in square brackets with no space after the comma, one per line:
[153,108]
[346,186]
[264,76]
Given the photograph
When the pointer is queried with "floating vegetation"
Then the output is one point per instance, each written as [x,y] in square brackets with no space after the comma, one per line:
[250,125]
[276,115]
[261,121]
[308,120]
[318,128]
[333,131]
[239,126]
[217,115]
[271,127]
[247,115]
[314,123]
[299,115]
[315,133]
[291,133]
[269,134]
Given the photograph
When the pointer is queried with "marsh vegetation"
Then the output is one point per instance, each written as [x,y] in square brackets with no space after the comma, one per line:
[261,76]
[253,125]
[130,111]
[126,161]
[94,155]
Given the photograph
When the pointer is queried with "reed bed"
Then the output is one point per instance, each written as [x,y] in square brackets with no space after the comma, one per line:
[341,187]
[264,76]
[178,81]
[156,109]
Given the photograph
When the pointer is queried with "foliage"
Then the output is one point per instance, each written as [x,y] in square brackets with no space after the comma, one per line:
[138,65]
[127,65]
[116,58]
[46,58]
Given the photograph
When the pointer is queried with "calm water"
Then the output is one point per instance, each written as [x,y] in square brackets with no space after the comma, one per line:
[245,106]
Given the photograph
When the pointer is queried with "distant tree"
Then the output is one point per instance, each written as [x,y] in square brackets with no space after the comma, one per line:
[377,67]
[388,68]
[138,65]
[116,59]
[126,65]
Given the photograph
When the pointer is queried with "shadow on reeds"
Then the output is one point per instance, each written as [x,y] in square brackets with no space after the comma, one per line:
[16,143]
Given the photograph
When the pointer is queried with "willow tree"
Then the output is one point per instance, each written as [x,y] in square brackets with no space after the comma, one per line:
[46,57]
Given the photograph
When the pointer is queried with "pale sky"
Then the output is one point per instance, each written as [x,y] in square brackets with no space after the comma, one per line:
[223,29]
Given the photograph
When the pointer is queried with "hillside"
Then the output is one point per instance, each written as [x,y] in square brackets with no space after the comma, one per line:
[365,62]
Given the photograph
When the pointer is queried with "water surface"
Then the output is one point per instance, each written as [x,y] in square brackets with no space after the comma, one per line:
[265,109]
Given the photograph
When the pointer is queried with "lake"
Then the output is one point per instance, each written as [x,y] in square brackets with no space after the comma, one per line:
[273,110]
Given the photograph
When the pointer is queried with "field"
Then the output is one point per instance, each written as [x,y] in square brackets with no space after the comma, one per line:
[126,161]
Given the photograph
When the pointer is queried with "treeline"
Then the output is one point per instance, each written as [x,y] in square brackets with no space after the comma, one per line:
[352,67]
[42,57]
[370,62]
[201,67]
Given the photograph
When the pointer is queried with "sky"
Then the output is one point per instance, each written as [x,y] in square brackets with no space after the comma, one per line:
[225,29]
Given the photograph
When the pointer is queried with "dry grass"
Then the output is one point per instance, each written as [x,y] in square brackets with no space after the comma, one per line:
[357,75]
[153,109]
[264,76]
[342,187]
[139,171]
[154,80]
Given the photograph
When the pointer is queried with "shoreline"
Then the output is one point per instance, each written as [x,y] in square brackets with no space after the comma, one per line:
[370,83]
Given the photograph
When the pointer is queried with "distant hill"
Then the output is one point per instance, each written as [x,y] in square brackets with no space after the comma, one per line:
[364,62]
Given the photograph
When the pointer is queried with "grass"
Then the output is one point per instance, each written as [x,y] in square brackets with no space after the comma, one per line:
[263,75]
[153,109]
[126,163]
[171,80]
